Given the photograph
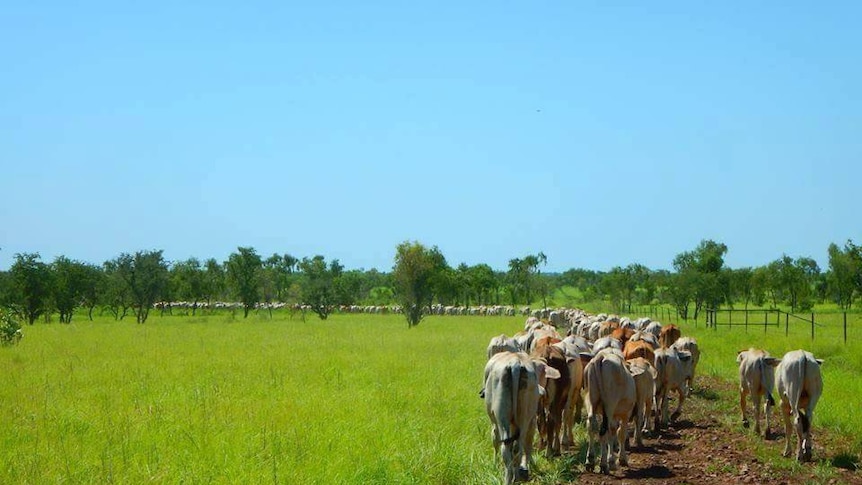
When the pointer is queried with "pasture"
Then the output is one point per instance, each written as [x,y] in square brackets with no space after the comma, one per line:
[354,399]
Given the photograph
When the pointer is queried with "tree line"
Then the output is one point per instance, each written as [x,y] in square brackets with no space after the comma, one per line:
[134,284]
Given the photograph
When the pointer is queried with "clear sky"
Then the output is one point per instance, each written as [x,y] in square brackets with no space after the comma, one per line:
[601,133]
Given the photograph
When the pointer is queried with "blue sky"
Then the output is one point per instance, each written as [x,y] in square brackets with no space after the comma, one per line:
[601,133]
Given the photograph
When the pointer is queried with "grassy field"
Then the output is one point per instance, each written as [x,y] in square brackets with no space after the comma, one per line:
[354,399]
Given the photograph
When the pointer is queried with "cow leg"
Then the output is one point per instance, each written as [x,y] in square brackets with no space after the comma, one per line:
[639,418]
[767,410]
[678,411]
[661,409]
[506,449]
[605,444]
[742,395]
[755,400]
[593,431]
[568,423]
[647,415]
[524,452]
[622,438]
[785,413]
[801,426]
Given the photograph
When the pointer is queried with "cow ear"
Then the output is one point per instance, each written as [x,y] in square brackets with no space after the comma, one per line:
[772,361]
[739,356]
[552,373]
[684,356]
[820,361]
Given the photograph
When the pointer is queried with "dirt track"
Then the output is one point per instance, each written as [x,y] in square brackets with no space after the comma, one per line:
[701,448]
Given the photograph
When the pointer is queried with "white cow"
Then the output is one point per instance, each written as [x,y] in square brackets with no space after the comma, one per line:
[644,375]
[757,378]
[689,345]
[799,386]
[671,377]
[502,343]
[611,394]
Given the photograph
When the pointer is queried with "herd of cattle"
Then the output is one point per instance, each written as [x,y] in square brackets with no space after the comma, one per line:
[619,371]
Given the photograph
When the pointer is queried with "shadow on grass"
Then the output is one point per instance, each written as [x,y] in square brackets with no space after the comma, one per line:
[706,394]
[846,461]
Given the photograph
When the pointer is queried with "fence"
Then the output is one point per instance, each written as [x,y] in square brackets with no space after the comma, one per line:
[773,318]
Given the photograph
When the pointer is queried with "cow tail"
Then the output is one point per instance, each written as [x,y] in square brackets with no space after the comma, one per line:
[764,368]
[803,418]
[515,376]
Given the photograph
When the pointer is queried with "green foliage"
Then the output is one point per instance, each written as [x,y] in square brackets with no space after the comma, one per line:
[244,274]
[414,275]
[143,279]
[70,285]
[323,287]
[32,285]
[187,281]
[845,273]
[10,329]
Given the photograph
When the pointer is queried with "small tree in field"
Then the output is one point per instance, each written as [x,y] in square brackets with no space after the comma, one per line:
[243,273]
[414,270]
[32,284]
[320,288]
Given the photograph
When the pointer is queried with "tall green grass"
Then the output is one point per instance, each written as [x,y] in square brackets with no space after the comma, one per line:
[354,399]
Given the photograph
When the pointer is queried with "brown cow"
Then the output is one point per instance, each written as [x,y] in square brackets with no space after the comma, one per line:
[550,414]
[639,348]
[669,334]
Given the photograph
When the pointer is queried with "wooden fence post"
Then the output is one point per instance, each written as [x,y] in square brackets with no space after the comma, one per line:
[746,321]
[786,323]
[812,325]
[845,327]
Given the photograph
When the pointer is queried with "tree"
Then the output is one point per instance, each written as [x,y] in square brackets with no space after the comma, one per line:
[213,281]
[92,280]
[702,267]
[116,295]
[320,289]
[146,275]
[69,286]
[415,266]
[32,283]
[188,281]
[843,271]
[243,274]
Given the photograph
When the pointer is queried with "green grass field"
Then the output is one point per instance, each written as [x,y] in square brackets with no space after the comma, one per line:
[354,399]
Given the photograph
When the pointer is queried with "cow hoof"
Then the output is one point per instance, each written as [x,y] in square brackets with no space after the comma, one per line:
[786,454]
[605,470]
[745,423]
[675,416]
[523,475]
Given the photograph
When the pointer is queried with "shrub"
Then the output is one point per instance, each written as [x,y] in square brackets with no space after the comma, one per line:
[10,329]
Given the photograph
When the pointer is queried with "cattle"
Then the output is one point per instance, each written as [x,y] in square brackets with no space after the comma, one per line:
[653,328]
[689,345]
[550,411]
[756,378]
[572,347]
[644,375]
[669,334]
[511,393]
[799,386]
[607,342]
[611,395]
[638,348]
[502,343]
[671,376]
[645,336]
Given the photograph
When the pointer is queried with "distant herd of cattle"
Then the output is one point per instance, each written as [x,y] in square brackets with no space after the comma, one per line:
[437,309]
[619,370]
